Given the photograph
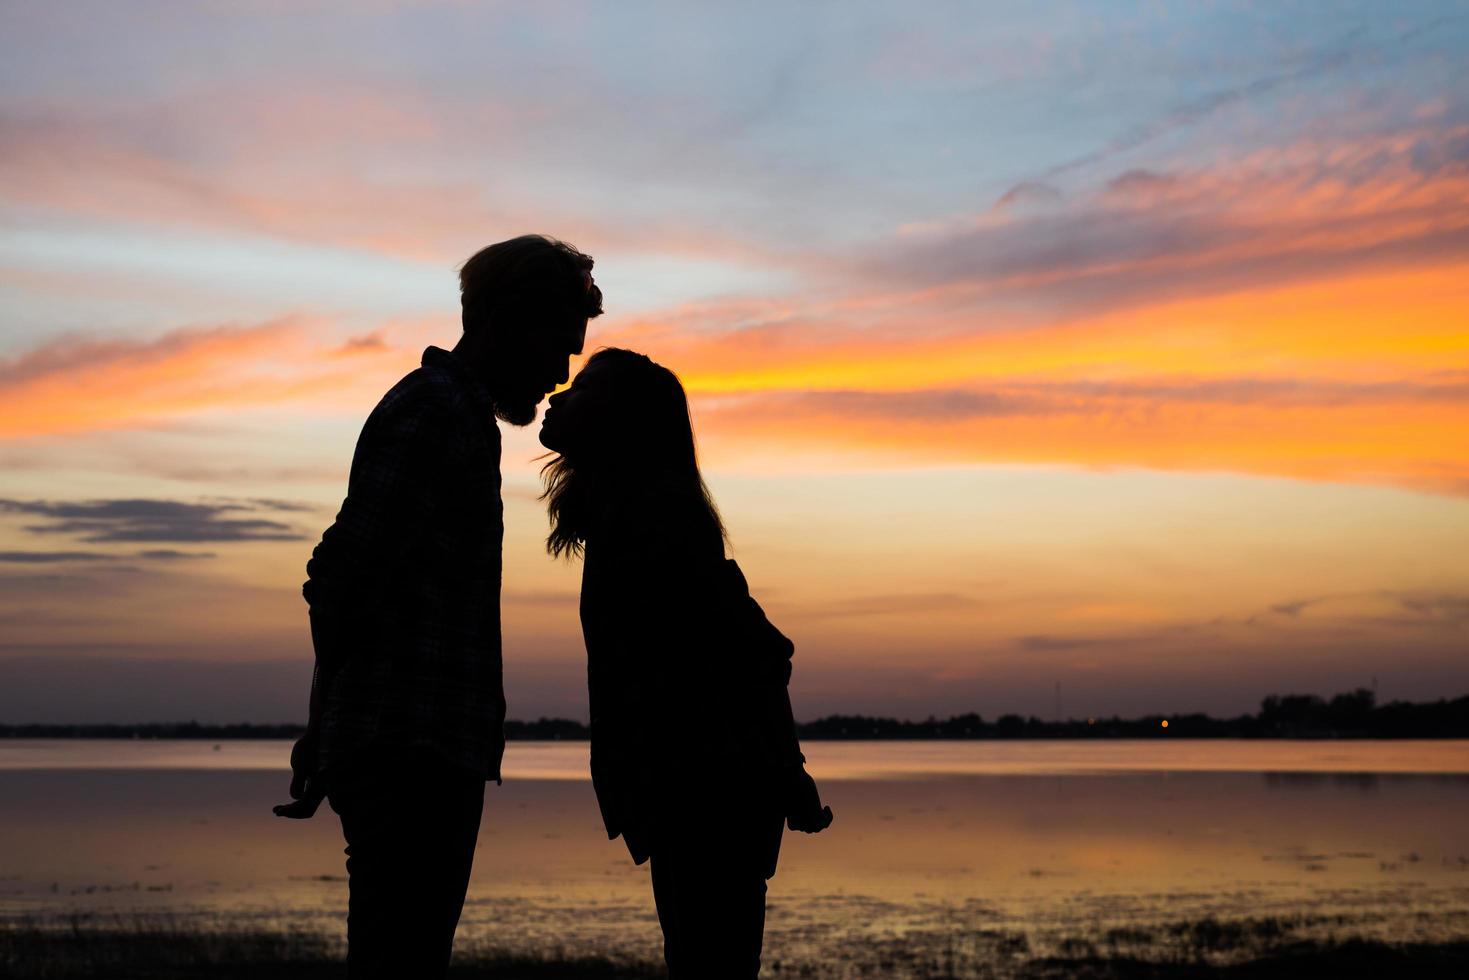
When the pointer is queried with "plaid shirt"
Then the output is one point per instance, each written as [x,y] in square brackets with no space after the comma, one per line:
[404,587]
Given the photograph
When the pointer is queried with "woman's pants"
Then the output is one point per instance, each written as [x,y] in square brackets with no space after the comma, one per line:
[709,886]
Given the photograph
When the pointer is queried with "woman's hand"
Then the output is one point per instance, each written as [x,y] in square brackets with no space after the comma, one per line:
[804,811]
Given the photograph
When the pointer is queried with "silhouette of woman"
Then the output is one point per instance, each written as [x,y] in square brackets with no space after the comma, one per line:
[695,759]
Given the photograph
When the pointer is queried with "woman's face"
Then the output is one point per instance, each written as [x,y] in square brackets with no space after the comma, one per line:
[573,415]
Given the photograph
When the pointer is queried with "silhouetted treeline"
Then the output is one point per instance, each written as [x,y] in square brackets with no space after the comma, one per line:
[1354,714]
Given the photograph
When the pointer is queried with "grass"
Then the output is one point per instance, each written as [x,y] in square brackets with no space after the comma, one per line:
[132,947]
[1307,960]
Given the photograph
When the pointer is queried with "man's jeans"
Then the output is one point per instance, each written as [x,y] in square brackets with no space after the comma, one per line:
[410,825]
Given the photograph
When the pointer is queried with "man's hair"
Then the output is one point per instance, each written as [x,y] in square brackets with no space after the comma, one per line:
[516,276]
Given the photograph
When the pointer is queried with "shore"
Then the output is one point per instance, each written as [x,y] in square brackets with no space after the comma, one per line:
[148,946]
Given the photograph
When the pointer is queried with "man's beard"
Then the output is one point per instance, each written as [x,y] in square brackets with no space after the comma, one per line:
[517,409]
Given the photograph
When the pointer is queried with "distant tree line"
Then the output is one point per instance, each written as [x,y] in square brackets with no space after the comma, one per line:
[1354,714]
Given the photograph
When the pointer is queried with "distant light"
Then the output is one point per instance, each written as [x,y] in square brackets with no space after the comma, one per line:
[1091,721]
[1165,722]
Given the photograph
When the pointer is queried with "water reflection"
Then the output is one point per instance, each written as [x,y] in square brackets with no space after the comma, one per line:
[834,760]
[1364,781]
[1023,849]
[1367,782]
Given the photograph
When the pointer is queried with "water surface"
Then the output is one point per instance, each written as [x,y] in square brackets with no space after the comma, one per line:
[1368,838]
[830,760]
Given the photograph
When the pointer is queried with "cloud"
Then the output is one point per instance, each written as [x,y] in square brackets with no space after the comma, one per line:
[41,619]
[1294,607]
[49,557]
[1343,621]
[88,383]
[80,354]
[1047,643]
[1300,210]
[115,167]
[1029,192]
[1331,257]
[930,405]
[1141,183]
[53,557]
[151,520]
[1425,608]
[289,164]
[1152,318]
[367,342]
[1442,606]
[1354,46]
[1037,398]
[26,589]
[1391,432]
[271,503]
[898,604]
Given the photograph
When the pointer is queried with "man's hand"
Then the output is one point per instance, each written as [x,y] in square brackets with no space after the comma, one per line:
[305,784]
[804,811]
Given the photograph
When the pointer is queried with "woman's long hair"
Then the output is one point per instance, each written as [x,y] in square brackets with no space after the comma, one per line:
[639,453]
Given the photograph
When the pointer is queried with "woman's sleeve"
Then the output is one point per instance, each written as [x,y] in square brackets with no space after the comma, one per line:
[765,654]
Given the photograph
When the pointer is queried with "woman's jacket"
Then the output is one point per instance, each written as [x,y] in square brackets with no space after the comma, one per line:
[686,678]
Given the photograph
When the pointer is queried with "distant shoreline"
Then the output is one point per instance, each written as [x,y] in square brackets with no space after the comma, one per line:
[1353,715]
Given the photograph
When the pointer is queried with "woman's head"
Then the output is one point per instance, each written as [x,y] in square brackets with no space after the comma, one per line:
[620,429]
[622,410]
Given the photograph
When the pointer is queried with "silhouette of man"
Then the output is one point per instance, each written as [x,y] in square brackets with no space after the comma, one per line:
[407,702]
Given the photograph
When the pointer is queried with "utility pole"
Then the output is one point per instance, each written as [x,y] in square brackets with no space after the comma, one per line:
[1058,702]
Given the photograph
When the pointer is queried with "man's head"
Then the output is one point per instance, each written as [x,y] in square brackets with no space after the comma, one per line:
[526,305]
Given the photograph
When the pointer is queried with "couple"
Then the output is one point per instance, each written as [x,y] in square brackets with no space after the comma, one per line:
[695,760]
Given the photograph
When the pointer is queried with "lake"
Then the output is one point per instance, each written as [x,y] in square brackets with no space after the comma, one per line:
[1046,840]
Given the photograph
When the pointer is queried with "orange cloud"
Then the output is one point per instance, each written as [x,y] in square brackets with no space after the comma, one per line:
[1309,207]
[81,384]
[1397,437]
[96,166]
[1360,378]
[1362,326]
[1297,311]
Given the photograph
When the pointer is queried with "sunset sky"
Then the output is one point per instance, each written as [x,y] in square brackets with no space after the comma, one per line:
[1120,346]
